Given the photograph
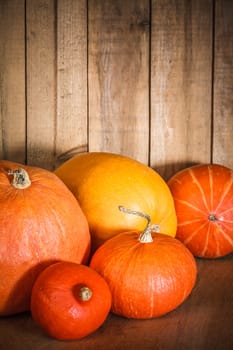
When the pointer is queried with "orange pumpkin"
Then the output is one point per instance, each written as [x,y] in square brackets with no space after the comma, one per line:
[149,274]
[101,181]
[70,301]
[40,222]
[203,196]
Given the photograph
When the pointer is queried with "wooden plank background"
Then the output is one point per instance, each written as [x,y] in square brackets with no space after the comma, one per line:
[151,79]
[12,81]
[181,83]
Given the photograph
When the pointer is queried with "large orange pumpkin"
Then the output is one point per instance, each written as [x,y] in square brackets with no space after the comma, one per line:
[149,274]
[203,196]
[40,222]
[103,181]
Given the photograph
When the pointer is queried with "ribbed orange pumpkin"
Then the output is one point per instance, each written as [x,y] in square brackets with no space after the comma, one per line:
[101,181]
[40,222]
[148,274]
[203,196]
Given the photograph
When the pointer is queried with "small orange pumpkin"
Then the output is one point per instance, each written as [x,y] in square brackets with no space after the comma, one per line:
[101,180]
[203,196]
[40,222]
[149,274]
[70,301]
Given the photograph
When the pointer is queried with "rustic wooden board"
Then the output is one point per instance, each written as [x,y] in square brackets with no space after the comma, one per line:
[41,82]
[71,123]
[223,84]
[12,80]
[181,84]
[118,77]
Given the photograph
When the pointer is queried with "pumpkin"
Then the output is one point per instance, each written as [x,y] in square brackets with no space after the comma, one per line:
[40,222]
[203,196]
[70,301]
[101,180]
[149,274]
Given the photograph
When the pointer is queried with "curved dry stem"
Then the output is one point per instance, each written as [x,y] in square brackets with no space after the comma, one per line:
[145,236]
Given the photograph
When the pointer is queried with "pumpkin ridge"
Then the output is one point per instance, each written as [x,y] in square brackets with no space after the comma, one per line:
[227,237]
[210,173]
[189,222]
[199,186]
[225,212]
[206,241]
[190,205]
[190,238]
[225,192]
[217,244]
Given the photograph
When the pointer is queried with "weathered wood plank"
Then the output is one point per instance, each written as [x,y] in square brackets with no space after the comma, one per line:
[71,126]
[119,77]
[223,84]
[181,65]
[12,80]
[41,82]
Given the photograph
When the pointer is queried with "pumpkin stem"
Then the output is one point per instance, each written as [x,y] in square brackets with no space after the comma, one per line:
[85,293]
[145,236]
[20,178]
[212,217]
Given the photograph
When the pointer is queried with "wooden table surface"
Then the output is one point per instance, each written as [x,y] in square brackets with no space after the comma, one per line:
[203,321]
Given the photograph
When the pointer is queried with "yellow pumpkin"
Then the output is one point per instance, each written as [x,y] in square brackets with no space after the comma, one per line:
[103,181]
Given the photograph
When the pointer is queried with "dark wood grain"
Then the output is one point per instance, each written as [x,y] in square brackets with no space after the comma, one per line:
[118,70]
[223,84]
[41,82]
[12,76]
[71,118]
[203,322]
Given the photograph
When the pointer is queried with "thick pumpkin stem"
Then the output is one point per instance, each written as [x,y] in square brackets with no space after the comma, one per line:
[21,179]
[145,236]
[85,293]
